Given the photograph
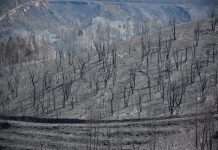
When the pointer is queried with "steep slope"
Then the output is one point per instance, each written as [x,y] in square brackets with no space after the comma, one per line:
[131,88]
[122,15]
[31,17]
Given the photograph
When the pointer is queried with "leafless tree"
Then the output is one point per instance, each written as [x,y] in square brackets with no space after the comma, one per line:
[13,84]
[139,106]
[208,56]
[194,48]
[159,51]
[176,58]
[108,74]
[46,86]
[214,51]
[196,120]
[54,98]
[192,74]
[34,80]
[172,24]
[114,76]
[124,92]
[204,85]
[186,53]
[132,79]
[114,55]
[66,87]
[146,74]
[60,55]
[146,49]
[97,82]
[213,15]
[216,99]
[168,44]
[162,90]
[206,142]
[197,33]
[112,101]
[198,67]
[216,76]
[70,57]
[100,50]
[168,69]
[47,80]
[57,65]
[175,95]
[82,62]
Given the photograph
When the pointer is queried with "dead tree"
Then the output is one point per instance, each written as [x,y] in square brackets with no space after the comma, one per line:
[168,44]
[54,98]
[213,16]
[70,57]
[196,120]
[47,81]
[194,48]
[208,52]
[34,80]
[186,53]
[216,77]
[172,24]
[159,58]
[114,56]
[197,33]
[216,99]
[112,101]
[108,74]
[13,84]
[203,85]
[114,76]
[208,56]
[132,79]
[162,90]
[66,87]
[176,58]
[206,142]
[105,58]
[168,69]
[82,62]
[175,95]
[60,54]
[146,49]
[198,67]
[139,106]
[97,82]
[124,91]
[192,74]
[145,73]
[57,65]
[214,51]
[99,50]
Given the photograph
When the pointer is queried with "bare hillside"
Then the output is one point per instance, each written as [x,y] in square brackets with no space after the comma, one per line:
[148,76]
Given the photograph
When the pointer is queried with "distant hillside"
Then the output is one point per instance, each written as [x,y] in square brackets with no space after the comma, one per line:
[206,2]
[6,5]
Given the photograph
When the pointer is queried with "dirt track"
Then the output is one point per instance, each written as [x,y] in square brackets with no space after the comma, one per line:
[161,134]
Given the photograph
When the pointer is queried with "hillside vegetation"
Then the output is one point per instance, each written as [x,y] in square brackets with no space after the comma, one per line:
[156,74]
